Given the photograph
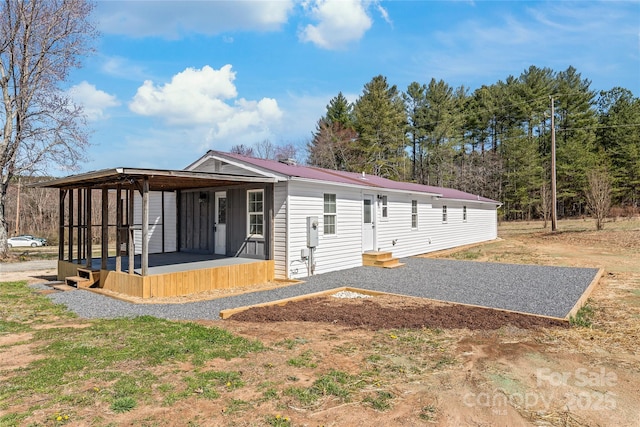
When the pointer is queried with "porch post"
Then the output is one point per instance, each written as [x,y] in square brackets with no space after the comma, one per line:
[178,220]
[162,218]
[70,242]
[89,232]
[132,259]
[272,233]
[62,194]
[118,227]
[145,226]
[104,250]
[80,221]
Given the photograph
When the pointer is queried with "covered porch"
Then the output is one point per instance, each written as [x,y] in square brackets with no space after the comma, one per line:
[160,233]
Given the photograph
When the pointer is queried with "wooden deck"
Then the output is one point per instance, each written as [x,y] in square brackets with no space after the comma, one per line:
[179,274]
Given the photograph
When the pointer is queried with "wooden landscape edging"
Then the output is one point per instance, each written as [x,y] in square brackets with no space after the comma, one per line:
[586,294]
[225,314]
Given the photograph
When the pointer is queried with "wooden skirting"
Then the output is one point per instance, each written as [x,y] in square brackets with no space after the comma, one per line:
[67,269]
[179,283]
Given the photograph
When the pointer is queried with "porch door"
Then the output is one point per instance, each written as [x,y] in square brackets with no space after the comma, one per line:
[220,223]
[368,223]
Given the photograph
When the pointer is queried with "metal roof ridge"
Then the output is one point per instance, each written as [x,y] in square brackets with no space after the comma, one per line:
[361,181]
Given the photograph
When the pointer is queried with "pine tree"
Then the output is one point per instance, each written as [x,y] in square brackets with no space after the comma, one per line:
[380,121]
[576,123]
[443,135]
[415,104]
[340,111]
[333,145]
[619,137]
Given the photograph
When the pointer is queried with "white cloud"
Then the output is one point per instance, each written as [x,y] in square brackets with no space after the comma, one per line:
[170,19]
[206,98]
[93,101]
[122,68]
[340,22]
[384,14]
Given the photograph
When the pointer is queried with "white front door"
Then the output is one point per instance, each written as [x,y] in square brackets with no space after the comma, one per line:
[220,223]
[368,223]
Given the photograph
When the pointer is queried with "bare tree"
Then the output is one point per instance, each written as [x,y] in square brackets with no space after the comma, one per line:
[40,42]
[267,150]
[242,149]
[264,149]
[545,203]
[598,195]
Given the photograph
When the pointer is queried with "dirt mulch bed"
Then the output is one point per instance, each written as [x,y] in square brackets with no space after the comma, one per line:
[393,312]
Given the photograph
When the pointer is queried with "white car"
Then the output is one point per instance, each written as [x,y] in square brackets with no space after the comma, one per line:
[23,241]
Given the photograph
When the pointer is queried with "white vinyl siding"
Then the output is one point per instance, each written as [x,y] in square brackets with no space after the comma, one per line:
[280,230]
[432,234]
[156,222]
[334,252]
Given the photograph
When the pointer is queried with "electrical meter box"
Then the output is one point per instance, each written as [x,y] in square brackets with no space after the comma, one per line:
[312,231]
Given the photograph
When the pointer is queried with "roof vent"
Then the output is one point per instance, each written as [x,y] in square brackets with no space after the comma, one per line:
[288,161]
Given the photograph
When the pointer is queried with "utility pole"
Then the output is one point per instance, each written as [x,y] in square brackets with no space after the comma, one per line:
[554,213]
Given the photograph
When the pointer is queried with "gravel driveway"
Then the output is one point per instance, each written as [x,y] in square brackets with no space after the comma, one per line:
[550,291]
[38,264]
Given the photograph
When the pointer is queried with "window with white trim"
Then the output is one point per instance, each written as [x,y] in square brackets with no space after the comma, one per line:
[464,214]
[414,214]
[255,212]
[385,207]
[444,213]
[330,213]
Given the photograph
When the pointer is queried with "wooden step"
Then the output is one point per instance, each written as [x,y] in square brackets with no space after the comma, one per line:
[77,282]
[63,287]
[394,264]
[389,263]
[380,259]
[86,278]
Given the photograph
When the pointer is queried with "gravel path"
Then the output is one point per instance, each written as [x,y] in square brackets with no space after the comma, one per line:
[550,291]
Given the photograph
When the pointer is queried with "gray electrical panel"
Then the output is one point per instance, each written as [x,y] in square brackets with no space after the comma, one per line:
[312,231]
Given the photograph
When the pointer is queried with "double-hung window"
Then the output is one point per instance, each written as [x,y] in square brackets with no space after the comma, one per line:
[255,211]
[330,213]
[414,214]
[464,214]
[385,207]
[444,214]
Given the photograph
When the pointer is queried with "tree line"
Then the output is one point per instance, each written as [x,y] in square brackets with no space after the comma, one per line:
[494,141]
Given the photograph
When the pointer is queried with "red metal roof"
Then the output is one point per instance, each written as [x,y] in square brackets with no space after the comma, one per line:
[320,174]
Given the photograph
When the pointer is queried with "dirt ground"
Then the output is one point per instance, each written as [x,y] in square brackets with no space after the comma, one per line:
[392,312]
[426,363]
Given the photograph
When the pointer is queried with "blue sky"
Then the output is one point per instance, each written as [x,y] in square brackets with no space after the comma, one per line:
[172,79]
